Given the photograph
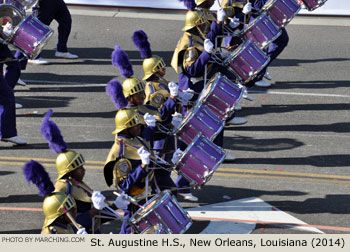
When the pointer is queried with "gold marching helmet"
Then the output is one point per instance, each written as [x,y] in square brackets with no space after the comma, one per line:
[152,65]
[194,18]
[132,86]
[126,118]
[54,205]
[68,161]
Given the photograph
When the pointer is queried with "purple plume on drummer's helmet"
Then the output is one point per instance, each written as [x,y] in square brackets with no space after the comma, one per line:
[34,172]
[121,60]
[115,91]
[52,134]
[141,41]
[189,4]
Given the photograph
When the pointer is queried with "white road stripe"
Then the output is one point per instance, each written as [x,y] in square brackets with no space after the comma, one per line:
[248,209]
[298,94]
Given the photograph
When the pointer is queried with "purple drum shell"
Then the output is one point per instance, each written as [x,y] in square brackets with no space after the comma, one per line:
[282,11]
[262,31]
[30,35]
[200,159]
[247,60]
[220,95]
[199,119]
[313,4]
[162,209]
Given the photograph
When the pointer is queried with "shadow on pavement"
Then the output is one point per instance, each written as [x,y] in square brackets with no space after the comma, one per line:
[260,145]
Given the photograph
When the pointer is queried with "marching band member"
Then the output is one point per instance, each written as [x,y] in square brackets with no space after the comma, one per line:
[47,11]
[8,131]
[164,95]
[127,164]
[56,218]
[71,171]
[130,94]
[60,209]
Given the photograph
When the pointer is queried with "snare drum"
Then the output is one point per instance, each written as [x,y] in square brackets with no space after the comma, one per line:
[200,160]
[246,61]
[200,119]
[263,31]
[313,4]
[221,95]
[281,11]
[30,36]
[163,209]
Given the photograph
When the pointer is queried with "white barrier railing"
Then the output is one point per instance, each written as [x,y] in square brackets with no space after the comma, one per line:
[331,7]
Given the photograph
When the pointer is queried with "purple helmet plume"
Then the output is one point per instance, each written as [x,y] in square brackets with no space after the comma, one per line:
[189,4]
[121,60]
[34,172]
[141,41]
[52,134]
[115,91]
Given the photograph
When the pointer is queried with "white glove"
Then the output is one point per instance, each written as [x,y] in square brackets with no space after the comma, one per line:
[150,120]
[120,202]
[187,95]
[234,22]
[98,200]
[7,30]
[247,8]
[176,156]
[177,120]
[174,89]
[144,155]
[82,231]
[208,46]
[221,14]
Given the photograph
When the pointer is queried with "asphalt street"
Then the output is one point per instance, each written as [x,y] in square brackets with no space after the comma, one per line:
[293,153]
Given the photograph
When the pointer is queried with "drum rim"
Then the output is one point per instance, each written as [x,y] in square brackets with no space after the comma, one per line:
[215,79]
[200,135]
[160,196]
[240,48]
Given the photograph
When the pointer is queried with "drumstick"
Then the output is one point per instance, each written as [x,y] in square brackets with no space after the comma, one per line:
[219,3]
[200,31]
[70,217]
[130,199]
[181,90]
[151,156]
[114,212]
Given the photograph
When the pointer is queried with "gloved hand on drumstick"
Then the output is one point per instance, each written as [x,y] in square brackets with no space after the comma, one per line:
[247,8]
[150,120]
[176,156]
[234,23]
[177,120]
[208,46]
[221,14]
[122,201]
[174,89]
[98,200]
[7,29]
[82,231]
[186,96]
[144,155]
